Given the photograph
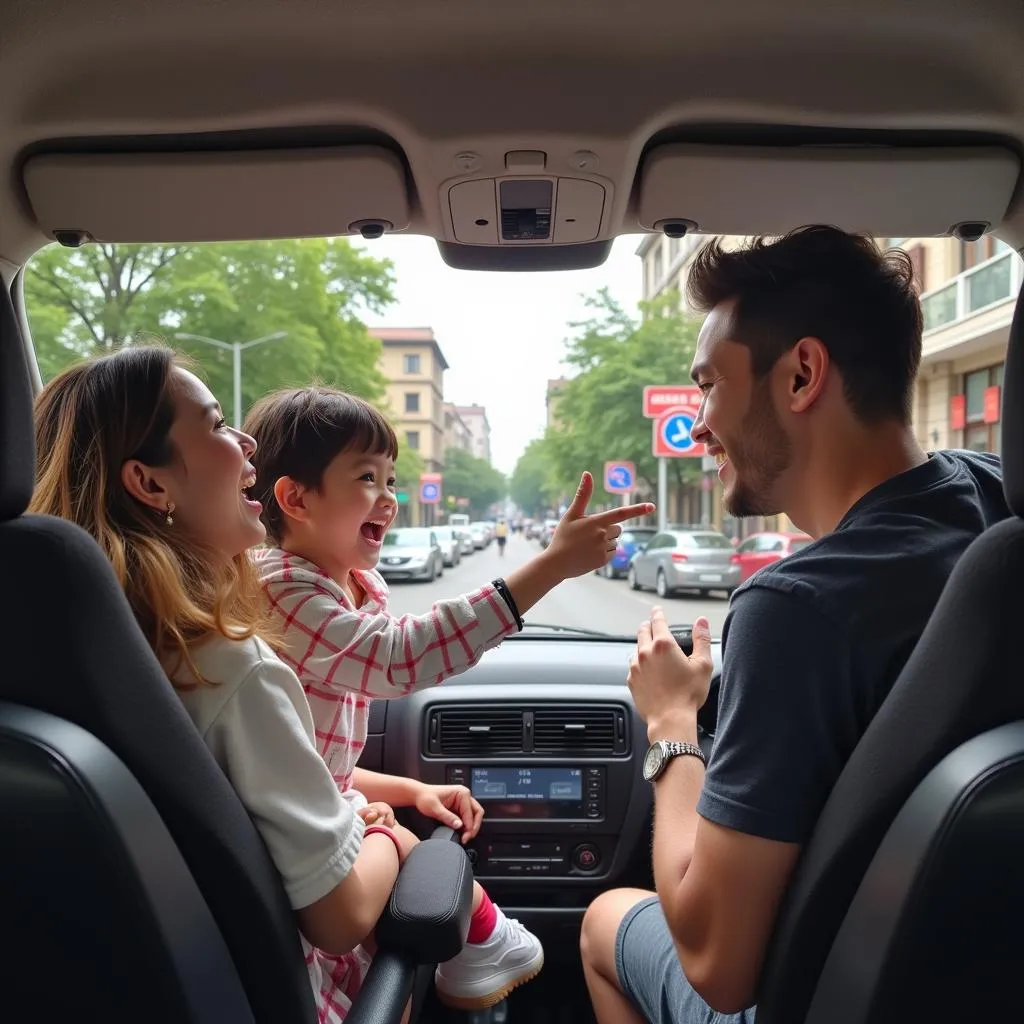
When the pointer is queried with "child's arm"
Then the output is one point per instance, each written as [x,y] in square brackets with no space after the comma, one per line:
[337,880]
[376,654]
[386,789]
[453,806]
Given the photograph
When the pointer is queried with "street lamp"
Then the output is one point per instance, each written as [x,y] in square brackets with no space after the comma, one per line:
[235,348]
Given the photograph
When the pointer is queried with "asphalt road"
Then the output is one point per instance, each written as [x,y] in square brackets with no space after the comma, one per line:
[590,602]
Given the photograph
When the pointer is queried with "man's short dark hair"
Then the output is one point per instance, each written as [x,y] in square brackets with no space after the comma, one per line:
[825,283]
[300,431]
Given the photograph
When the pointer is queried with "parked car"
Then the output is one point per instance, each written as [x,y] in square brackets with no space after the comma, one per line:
[480,534]
[465,540]
[761,549]
[700,560]
[411,553]
[450,541]
[630,541]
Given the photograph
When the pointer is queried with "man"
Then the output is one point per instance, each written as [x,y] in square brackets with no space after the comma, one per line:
[501,532]
[806,361]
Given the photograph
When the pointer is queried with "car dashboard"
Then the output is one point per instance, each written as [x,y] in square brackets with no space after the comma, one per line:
[544,732]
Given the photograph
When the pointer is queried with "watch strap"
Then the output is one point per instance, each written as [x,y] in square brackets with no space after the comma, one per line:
[676,748]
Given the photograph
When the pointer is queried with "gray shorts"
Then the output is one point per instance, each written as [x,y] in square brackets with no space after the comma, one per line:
[651,976]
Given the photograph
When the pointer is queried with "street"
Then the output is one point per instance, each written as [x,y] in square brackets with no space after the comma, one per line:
[590,602]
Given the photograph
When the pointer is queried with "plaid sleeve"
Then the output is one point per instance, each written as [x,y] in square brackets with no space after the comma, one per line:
[378,655]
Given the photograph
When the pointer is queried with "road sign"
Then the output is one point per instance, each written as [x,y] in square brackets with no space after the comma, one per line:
[672,438]
[619,477]
[660,398]
[430,488]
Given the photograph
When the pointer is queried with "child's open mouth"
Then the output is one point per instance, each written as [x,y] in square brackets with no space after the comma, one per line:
[373,532]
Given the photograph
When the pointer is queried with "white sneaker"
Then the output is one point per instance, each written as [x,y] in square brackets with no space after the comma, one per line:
[485,973]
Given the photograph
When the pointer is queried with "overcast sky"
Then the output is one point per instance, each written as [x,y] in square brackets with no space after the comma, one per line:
[501,333]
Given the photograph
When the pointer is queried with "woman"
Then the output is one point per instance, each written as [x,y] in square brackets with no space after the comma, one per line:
[133,448]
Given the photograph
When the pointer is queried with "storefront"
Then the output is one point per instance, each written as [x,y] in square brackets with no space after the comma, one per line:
[975,411]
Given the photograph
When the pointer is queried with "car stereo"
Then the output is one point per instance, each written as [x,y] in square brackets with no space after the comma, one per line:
[535,792]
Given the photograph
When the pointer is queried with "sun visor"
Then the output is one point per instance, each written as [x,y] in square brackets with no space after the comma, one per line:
[219,196]
[909,192]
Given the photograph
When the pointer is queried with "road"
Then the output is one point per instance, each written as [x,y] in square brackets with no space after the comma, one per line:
[590,602]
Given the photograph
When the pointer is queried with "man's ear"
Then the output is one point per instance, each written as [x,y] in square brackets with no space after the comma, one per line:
[807,365]
[145,486]
[291,498]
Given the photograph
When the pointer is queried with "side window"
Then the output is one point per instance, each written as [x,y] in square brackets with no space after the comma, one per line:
[658,541]
[770,544]
[747,546]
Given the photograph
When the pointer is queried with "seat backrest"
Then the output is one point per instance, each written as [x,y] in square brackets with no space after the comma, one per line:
[89,868]
[959,682]
[72,648]
[934,932]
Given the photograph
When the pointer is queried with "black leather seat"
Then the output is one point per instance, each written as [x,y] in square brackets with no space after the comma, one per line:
[124,848]
[908,901]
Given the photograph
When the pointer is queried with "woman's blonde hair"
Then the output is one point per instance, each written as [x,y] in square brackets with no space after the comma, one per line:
[92,419]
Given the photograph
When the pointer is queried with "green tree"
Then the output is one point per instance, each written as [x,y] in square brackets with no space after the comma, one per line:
[90,300]
[531,485]
[466,476]
[600,411]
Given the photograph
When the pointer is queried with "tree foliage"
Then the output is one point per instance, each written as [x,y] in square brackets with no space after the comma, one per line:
[600,410]
[466,476]
[91,300]
[533,486]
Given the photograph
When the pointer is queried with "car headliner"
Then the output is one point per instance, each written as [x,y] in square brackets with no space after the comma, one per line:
[431,79]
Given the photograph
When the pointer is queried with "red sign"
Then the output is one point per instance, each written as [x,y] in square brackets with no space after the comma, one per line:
[660,398]
[957,412]
[671,433]
[992,397]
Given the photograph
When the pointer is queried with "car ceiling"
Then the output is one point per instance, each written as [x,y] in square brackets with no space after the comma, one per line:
[267,118]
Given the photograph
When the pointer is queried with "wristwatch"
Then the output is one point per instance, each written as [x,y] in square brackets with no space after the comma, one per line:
[662,751]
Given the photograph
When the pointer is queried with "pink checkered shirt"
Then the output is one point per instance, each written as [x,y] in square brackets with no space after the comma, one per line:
[344,658]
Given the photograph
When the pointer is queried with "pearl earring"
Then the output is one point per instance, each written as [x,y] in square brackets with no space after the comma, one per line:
[169,518]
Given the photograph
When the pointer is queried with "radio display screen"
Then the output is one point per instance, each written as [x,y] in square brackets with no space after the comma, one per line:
[528,785]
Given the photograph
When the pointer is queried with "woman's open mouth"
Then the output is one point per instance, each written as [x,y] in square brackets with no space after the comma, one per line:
[248,483]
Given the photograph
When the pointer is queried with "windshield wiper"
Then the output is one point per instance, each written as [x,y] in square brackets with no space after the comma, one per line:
[554,627]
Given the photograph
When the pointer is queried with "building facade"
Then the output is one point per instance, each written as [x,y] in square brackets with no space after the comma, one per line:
[413,364]
[475,419]
[456,433]
[552,396]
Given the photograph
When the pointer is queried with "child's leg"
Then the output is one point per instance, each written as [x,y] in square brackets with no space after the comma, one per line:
[499,955]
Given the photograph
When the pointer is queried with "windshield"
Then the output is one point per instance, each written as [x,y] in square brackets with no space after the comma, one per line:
[407,538]
[496,416]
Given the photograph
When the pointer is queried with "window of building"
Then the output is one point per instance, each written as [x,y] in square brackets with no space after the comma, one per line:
[412,440]
[412,400]
[979,436]
[984,248]
[412,363]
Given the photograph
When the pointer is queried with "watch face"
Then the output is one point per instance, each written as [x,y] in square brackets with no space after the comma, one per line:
[653,761]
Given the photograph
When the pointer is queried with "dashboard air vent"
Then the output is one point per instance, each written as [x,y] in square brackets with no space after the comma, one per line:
[568,729]
[469,732]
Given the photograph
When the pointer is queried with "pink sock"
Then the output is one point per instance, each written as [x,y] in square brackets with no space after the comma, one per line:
[483,921]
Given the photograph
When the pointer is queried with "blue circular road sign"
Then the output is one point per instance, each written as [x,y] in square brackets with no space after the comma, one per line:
[675,432]
[620,476]
[430,492]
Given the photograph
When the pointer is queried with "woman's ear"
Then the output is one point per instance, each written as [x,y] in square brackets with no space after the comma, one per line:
[143,485]
[291,498]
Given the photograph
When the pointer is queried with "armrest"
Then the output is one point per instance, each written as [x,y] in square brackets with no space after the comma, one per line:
[426,922]
[427,917]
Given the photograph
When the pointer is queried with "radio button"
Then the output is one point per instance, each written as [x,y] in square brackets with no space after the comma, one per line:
[586,857]
[456,775]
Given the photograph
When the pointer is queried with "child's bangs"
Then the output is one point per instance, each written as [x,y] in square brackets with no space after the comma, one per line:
[366,430]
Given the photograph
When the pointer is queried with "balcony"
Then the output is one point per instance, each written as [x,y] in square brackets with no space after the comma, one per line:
[973,310]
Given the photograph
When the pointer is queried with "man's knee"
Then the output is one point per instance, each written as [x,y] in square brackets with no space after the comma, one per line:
[600,929]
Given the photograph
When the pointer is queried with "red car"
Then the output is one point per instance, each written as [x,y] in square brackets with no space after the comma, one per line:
[761,549]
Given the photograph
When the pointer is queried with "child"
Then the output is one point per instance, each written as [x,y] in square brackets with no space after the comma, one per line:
[325,476]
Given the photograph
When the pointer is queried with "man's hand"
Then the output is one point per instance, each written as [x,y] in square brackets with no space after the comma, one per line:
[583,543]
[668,687]
[378,814]
[453,806]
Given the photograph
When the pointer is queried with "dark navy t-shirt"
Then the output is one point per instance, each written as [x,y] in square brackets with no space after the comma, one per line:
[813,643]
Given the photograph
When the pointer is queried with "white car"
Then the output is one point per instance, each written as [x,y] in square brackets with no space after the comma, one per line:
[411,553]
[450,541]
[481,535]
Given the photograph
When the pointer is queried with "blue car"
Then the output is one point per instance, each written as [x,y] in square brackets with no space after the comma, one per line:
[630,540]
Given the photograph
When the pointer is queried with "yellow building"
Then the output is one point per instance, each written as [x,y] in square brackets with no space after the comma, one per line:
[554,393]
[413,364]
[456,433]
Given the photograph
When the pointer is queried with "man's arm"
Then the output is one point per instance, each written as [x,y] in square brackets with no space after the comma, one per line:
[725,844]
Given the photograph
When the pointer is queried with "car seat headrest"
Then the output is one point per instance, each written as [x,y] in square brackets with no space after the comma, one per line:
[17,435]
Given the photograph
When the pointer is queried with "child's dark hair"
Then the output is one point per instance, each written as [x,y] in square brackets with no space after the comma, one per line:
[299,432]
